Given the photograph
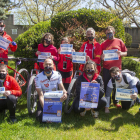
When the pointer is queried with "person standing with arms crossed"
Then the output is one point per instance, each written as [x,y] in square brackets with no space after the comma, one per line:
[110,44]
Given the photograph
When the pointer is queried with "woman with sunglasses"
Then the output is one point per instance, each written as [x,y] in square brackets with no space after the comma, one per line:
[47,46]
[90,74]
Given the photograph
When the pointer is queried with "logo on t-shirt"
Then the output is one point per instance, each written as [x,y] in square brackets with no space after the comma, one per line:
[46,85]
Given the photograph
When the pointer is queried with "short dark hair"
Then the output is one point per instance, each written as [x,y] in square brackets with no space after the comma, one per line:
[47,34]
[93,63]
[3,66]
[110,27]
[114,70]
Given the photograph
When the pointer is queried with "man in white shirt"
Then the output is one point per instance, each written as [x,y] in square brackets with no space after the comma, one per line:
[48,80]
[130,82]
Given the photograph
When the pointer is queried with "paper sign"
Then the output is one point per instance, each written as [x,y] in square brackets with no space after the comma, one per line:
[79,57]
[2,90]
[43,56]
[89,95]
[111,55]
[124,94]
[52,110]
[4,43]
[66,48]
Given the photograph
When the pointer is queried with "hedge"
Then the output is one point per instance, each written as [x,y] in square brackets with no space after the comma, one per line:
[28,42]
[86,17]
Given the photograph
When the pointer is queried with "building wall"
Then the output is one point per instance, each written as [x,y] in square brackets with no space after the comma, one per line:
[135,33]
[9,22]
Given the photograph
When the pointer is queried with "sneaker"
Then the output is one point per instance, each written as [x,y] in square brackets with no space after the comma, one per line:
[117,105]
[95,114]
[83,113]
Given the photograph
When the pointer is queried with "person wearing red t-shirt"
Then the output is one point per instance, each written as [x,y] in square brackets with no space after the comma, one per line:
[92,49]
[47,46]
[109,44]
[65,66]
[12,91]
[12,45]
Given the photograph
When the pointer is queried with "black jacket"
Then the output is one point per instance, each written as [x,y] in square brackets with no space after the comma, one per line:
[81,78]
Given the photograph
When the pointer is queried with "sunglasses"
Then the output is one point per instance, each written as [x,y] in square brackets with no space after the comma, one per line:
[88,71]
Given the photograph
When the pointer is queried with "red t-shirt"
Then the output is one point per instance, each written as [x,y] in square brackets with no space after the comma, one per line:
[50,49]
[61,60]
[110,45]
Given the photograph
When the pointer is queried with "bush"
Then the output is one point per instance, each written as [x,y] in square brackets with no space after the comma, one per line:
[98,19]
[128,39]
[132,65]
[28,42]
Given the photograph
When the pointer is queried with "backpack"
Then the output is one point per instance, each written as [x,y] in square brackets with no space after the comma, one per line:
[132,73]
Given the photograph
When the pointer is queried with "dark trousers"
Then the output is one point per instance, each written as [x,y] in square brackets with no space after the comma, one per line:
[101,104]
[106,78]
[39,112]
[10,104]
[127,104]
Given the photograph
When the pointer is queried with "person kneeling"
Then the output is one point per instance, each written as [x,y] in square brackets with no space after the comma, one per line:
[48,80]
[12,91]
[125,81]
[90,75]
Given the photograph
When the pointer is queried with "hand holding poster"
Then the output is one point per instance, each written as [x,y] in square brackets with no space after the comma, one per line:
[89,95]
[4,43]
[66,48]
[124,94]
[79,57]
[2,90]
[111,55]
[43,56]
[52,110]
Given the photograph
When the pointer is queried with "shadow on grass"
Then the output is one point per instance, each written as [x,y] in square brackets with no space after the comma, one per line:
[120,117]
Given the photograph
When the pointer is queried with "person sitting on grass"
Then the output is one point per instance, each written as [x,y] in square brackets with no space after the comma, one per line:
[12,91]
[48,80]
[119,81]
[90,75]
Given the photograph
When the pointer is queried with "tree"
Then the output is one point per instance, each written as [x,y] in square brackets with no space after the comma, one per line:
[127,10]
[42,10]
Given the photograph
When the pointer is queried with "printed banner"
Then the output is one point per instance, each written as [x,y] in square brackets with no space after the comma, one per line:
[52,110]
[2,90]
[79,57]
[66,48]
[4,43]
[89,95]
[124,94]
[43,56]
[110,55]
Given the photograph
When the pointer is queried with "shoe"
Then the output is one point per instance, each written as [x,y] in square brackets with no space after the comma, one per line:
[83,113]
[117,105]
[13,119]
[107,110]
[95,114]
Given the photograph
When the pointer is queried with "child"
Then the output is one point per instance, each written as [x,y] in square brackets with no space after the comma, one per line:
[65,66]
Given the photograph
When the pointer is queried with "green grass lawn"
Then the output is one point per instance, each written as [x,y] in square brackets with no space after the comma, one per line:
[119,124]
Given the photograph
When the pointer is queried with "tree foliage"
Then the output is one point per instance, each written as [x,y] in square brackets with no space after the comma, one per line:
[42,10]
[127,10]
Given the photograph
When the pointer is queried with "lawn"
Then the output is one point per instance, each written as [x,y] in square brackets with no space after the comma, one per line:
[119,124]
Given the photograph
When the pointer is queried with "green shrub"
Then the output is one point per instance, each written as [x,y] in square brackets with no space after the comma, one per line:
[128,39]
[128,63]
[98,19]
[28,42]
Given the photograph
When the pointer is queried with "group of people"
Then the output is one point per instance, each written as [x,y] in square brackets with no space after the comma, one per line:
[51,80]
